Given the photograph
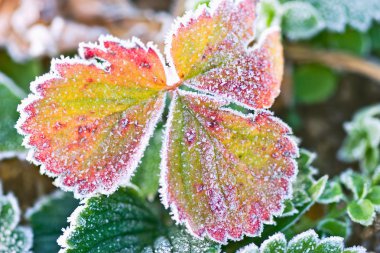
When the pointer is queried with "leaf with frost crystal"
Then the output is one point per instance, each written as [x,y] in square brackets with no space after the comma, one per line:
[301,20]
[224,174]
[13,238]
[305,242]
[209,51]
[57,207]
[124,222]
[10,97]
[89,119]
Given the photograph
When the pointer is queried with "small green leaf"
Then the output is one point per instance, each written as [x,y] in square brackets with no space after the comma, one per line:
[356,249]
[330,245]
[305,242]
[57,207]
[355,183]
[332,12]
[251,248]
[179,241]
[269,14]
[374,195]
[275,244]
[333,193]
[305,159]
[305,179]
[362,212]
[301,20]
[124,222]
[335,227]
[317,189]
[13,238]
[289,209]
[363,141]
[148,172]
[314,83]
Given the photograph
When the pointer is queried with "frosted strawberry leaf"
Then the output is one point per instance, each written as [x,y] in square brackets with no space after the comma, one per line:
[305,242]
[13,238]
[124,222]
[224,174]
[209,51]
[89,120]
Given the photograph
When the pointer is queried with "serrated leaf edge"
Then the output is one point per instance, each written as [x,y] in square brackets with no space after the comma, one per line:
[52,74]
[174,213]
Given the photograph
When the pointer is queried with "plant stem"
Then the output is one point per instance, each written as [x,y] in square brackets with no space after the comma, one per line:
[335,60]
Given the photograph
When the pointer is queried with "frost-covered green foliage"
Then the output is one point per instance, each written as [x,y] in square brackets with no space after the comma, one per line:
[306,190]
[303,19]
[305,242]
[355,195]
[48,217]
[13,238]
[363,141]
[124,222]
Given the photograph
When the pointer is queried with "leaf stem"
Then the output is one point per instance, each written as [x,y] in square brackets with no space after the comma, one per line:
[335,60]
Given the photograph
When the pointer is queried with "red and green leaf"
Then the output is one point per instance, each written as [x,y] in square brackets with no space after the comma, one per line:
[252,79]
[224,174]
[89,119]
[209,50]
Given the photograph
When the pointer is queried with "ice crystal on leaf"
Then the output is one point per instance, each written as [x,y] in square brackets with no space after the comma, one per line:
[224,173]
[89,120]
[305,242]
[13,238]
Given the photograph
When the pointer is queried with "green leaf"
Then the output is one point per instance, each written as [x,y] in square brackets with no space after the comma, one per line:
[179,241]
[148,172]
[362,212]
[335,227]
[289,209]
[332,12]
[124,222]
[333,193]
[13,238]
[304,179]
[276,244]
[301,20]
[355,183]
[314,83]
[358,13]
[330,245]
[269,14]
[305,242]
[57,207]
[374,195]
[10,97]
[363,141]
[317,188]
[356,249]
